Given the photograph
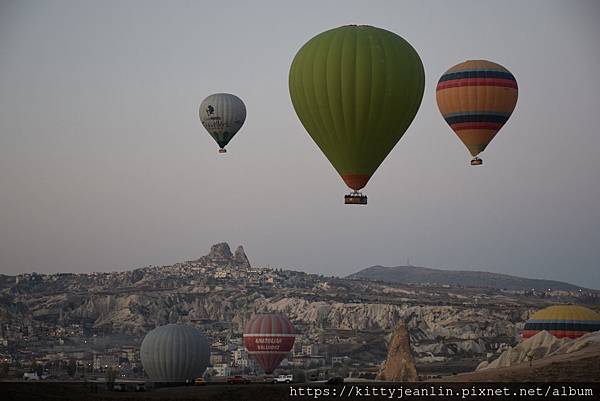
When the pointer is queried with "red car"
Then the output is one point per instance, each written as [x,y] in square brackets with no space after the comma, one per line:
[238,380]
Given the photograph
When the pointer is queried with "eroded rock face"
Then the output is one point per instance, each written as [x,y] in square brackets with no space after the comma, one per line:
[539,346]
[322,309]
[220,253]
[437,330]
[399,365]
[220,256]
[240,259]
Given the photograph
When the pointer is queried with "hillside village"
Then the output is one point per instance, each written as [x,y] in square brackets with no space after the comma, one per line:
[69,326]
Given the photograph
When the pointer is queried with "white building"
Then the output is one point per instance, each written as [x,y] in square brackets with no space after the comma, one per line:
[105,361]
[339,359]
[240,353]
[310,350]
[217,358]
[222,369]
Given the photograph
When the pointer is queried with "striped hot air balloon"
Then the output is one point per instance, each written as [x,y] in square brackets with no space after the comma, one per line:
[269,337]
[563,321]
[476,98]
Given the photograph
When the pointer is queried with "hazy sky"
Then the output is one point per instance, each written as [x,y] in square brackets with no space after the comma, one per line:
[104,164]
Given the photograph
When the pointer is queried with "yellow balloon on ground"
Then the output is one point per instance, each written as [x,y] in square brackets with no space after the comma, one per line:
[563,321]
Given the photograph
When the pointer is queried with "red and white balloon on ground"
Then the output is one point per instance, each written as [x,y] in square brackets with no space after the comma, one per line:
[269,338]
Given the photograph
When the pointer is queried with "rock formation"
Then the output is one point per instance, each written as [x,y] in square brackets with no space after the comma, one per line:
[399,365]
[240,259]
[220,255]
[539,346]
[349,316]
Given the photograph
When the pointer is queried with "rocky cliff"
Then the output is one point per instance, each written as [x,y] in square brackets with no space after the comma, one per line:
[240,259]
[220,255]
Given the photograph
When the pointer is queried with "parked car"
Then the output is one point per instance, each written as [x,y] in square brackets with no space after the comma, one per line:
[31,376]
[238,380]
[283,379]
[199,381]
[140,387]
[119,387]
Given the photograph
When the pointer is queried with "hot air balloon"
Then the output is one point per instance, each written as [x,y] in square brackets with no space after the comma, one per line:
[476,98]
[222,114]
[356,89]
[174,353]
[563,321]
[269,337]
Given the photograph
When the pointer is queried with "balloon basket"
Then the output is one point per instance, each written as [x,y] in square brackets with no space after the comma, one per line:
[355,198]
[476,162]
[222,150]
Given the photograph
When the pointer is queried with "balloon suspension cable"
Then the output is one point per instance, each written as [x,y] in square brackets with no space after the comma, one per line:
[222,150]
[355,198]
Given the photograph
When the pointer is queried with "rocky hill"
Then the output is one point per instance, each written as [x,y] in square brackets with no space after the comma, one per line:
[459,278]
[541,345]
[542,358]
[219,292]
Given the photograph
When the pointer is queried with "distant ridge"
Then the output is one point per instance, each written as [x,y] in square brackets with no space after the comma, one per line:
[464,278]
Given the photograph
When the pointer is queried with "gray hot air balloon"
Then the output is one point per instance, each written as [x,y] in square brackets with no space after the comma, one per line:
[175,353]
[222,114]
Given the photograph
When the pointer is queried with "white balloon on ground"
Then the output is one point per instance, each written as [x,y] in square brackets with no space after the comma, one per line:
[175,353]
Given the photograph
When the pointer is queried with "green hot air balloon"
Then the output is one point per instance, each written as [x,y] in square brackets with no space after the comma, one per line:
[356,89]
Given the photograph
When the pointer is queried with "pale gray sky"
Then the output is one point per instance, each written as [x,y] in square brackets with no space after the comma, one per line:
[104,164]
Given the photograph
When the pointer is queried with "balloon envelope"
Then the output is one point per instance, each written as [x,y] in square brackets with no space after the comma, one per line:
[269,337]
[222,114]
[356,89]
[174,353]
[476,98]
[563,321]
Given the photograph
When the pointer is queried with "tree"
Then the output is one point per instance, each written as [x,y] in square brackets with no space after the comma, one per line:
[71,368]
[299,376]
[4,369]
[39,370]
[341,371]
[110,376]
[529,357]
